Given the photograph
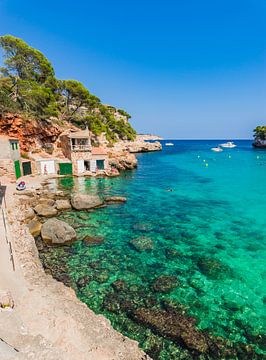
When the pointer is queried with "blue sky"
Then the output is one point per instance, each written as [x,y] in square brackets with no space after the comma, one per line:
[183,69]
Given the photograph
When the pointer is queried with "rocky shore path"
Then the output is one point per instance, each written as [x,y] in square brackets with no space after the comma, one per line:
[10,277]
[12,287]
[42,318]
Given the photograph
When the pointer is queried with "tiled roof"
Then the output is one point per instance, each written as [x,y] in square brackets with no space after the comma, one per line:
[83,134]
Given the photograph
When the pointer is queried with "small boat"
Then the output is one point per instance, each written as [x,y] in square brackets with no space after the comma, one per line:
[21,186]
[169,144]
[228,145]
[217,149]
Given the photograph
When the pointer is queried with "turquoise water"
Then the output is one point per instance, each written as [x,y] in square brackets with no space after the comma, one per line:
[205,213]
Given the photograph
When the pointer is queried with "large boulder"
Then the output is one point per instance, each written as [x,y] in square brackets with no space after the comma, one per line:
[85,202]
[45,210]
[46,201]
[62,205]
[34,227]
[57,232]
[29,215]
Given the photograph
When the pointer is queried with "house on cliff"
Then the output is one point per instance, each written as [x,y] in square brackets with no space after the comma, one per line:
[11,163]
[84,157]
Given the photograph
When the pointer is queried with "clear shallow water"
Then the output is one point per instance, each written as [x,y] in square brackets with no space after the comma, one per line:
[206,215]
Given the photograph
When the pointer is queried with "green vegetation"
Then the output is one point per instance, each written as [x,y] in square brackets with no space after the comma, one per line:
[260,132]
[28,85]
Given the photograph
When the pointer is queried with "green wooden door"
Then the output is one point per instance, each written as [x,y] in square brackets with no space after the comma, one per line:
[26,166]
[17,169]
[65,168]
[100,164]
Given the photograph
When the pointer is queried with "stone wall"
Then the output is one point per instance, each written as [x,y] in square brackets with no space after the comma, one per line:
[101,157]
[7,168]
[79,155]
[5,149]
[65,146]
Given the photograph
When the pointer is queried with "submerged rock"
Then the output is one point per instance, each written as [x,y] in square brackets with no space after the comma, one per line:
[172,254]
[145,227]
[111,303]
[119,285]
[214,269]
[62,204]
[39,243]
[85,202]
[165,283]
[173,326]
[142,243]
[45,210]
[83,281]
[101,276]
[93,240]
[115,199]
[64,278]
[57,232]
[83,216]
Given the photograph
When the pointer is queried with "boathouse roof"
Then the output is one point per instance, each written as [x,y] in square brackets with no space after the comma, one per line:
[82,134]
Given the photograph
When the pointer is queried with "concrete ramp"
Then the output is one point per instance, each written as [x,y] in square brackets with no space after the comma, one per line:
[7,352]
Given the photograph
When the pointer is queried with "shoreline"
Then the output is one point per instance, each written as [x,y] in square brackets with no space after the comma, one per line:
[36,183]
[48,319]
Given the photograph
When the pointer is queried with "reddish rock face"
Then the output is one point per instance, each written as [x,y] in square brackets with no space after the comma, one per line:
[32,134]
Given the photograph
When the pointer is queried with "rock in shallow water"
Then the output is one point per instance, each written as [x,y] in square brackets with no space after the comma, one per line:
[45,210]
[62,204]
[57,232]
[83,281]
[173,326]
[214,269]
[142,243]
[119,285]
[85,202]
[115,199]
[93,240]
[165,283]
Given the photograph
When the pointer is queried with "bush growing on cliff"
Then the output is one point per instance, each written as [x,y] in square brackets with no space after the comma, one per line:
[124,113]
[28,84]
[260,132]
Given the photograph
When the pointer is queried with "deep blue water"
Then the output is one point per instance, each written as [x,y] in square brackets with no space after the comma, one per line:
[210,208]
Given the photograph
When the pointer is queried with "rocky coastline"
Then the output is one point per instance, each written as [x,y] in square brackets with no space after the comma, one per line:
[260,144]
[166,320]
[35,136]
[48,321]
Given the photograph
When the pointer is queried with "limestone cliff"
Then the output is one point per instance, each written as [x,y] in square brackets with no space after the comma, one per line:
[33,135]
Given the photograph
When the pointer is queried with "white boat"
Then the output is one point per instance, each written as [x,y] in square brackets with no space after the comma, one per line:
[217,149]
[228,145]
[169,144]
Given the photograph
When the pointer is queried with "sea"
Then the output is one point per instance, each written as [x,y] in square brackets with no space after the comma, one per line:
[192,233]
